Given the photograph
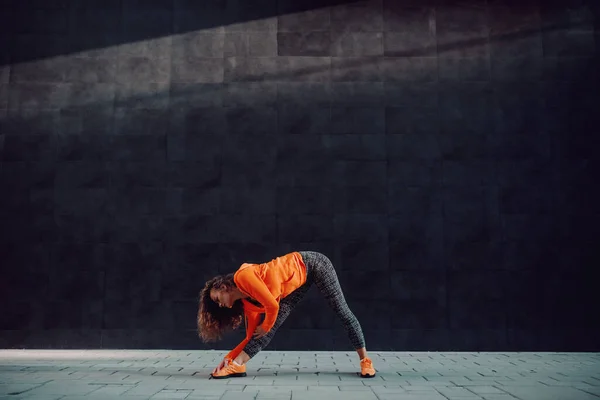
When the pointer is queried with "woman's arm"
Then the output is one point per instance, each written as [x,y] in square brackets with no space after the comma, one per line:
[251,324]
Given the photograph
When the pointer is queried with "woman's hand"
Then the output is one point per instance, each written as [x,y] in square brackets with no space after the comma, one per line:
[259,332]
[222,365]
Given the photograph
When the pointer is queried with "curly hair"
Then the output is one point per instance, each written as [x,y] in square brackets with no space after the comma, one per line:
[214,321]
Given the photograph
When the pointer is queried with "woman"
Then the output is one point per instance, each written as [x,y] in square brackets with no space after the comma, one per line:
[273,289]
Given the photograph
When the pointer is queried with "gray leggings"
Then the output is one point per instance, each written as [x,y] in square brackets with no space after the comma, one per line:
[320,271]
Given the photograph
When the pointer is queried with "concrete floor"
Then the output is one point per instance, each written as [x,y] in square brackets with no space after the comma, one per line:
[129,375]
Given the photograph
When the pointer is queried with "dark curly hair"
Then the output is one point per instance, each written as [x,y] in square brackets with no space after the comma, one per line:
[214,321]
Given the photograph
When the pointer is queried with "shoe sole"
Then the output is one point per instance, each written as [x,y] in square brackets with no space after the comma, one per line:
[367,376]
[236,375]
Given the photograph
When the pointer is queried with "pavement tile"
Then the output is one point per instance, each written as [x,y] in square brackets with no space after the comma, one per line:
[454,392]
[162,374]
[16,388]
[486,390]
[335,396]
[239,396]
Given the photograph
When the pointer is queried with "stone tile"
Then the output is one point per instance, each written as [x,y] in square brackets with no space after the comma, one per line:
[475,68]
[355,228]
[410,69]
[304,120]
[131,123]
[366,16]
[249,228]
[292,170]
[430,284]
[154,19]
[408,16]
[237,144]
[235,44]
[181,147]
[263,44]
[155,48]
[91,70]
[503,47]
[181,95]
[92,18]
[344,395]
[246,200]
[256,69]
[566,42]
[87,95]
[307,44]
[411,95]
[198,201]
[358,93]
[356,44]
[357,69]
[419,314]
[239,396]
[548,393]
[250,94]
[410,43]
[461,26]
[244,17]
[362,200]
[98,44]
[522,68]
[205,70]
[304,93]
[133,69]
[300,201]
[304,69]
[360,173]
[317,19]
[372,256]
[486,390]
[355,147]
[152,95]
[416,246]
[51,388]
[413,121]
[189,15]
[304,228]
[358,120]
[47,71]
[197,45]
[198,121]
[35,97]
[256,174]
[4,89]
[412,146]
[81,175]
[417,176]
[20,175]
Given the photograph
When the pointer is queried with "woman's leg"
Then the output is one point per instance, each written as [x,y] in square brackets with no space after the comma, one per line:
[325,278]
[285,308]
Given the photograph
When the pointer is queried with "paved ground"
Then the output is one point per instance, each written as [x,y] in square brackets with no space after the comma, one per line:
[132,375]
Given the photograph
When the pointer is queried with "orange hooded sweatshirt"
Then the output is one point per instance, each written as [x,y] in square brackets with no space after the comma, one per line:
[267,283]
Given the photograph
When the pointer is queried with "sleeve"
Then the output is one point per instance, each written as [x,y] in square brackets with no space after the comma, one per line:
[256,288]
[251,323]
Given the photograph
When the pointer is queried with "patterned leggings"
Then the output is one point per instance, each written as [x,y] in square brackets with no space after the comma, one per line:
[320,271]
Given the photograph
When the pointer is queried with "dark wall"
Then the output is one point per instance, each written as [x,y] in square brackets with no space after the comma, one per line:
[441,153]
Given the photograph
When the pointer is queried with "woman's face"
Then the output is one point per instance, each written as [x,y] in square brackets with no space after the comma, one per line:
[222,296]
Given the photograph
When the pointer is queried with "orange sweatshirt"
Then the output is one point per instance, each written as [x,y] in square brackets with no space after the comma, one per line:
[267,283]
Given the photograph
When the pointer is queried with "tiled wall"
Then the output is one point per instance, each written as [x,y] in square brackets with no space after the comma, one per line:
[441,153]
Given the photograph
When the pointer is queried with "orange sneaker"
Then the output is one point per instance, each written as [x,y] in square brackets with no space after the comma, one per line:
[366,368]
[232,370]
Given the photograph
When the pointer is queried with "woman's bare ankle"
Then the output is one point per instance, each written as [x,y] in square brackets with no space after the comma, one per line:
[242,358]
[362,352]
